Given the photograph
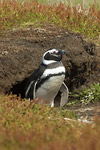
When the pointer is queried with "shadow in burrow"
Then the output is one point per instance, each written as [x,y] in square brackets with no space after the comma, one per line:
[73,81]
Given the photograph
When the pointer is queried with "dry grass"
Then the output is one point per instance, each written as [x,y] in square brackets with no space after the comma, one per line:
[77,18]
[30,126]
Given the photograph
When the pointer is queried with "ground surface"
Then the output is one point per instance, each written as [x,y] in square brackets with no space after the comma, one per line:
[21,51]
[86,112]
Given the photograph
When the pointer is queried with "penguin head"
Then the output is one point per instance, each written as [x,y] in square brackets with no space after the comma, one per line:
[52,56]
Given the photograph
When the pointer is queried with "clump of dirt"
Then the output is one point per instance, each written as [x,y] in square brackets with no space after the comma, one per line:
[21,51]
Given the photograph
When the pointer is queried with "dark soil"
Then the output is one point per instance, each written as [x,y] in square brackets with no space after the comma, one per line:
[21,51]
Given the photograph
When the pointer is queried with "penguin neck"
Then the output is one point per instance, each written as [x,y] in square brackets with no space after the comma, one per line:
[46,62]
[54,68]
[55,65]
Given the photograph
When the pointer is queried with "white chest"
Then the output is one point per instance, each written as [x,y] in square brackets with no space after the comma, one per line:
[49,89]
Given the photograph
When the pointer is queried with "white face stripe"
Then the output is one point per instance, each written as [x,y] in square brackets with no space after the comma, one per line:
[57,70]
[51,50]
[47,62]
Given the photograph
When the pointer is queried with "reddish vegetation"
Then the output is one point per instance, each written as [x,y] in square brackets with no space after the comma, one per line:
[86,21]
[28,127]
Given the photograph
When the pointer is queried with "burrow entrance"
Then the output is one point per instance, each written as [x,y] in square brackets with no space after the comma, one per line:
[21,52]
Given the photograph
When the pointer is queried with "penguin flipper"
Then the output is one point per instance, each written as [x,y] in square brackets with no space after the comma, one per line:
[30,92]
[32,81]
[64,94]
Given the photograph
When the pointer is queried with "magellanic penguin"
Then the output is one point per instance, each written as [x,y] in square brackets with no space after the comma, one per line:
[48,79]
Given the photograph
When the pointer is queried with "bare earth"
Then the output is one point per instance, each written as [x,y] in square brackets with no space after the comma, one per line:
[21,51]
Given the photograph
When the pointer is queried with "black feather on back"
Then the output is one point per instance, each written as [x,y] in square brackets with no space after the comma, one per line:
[34,77]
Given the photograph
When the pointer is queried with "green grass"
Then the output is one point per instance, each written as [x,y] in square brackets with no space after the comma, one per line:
[86,95]
[91,94]
[87,3]
[67,2]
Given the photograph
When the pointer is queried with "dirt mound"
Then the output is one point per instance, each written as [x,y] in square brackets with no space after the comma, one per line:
[21,51]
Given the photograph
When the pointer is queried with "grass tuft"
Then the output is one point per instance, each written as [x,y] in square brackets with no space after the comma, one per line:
[86,95]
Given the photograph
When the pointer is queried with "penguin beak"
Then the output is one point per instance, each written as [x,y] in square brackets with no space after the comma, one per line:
[63,52]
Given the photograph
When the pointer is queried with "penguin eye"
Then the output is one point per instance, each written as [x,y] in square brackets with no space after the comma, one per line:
[53,52]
